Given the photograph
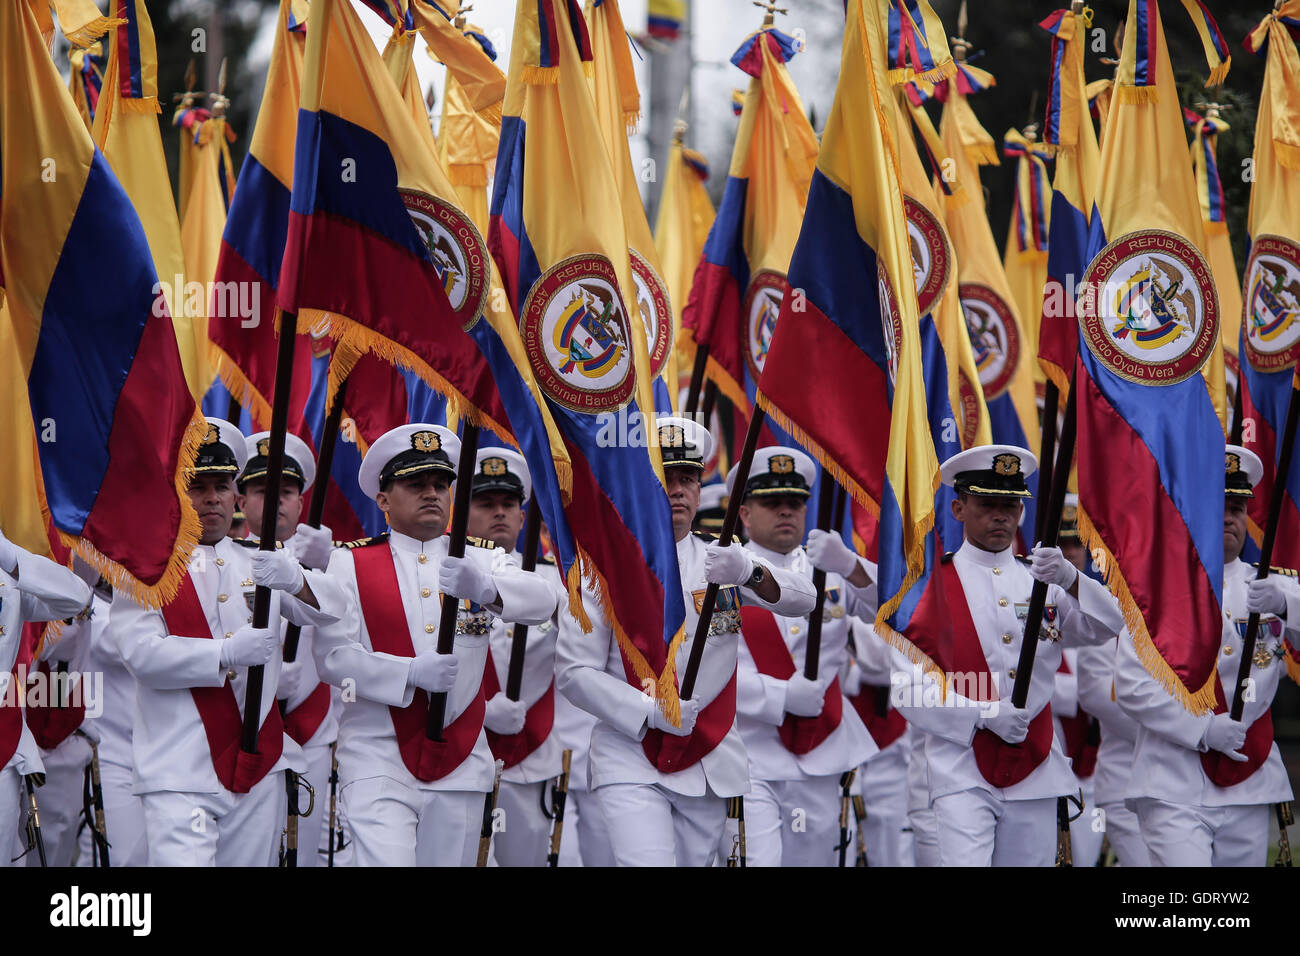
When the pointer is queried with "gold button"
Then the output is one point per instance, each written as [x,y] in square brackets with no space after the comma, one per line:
[1002,602]
[428,629]
[223,598]
[1227,651]
[2,630]
[1006,638]
[422,558]
[997,570]
[230,674]
[794,629]
[229,634]
[425,592]
[1012,673]
[221,562]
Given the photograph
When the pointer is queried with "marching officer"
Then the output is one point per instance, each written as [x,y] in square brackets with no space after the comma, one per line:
[520,732]
[674,814]
[410,800]
[995,770]
[310,710]
[1202,785]
[800,734]
[190,663]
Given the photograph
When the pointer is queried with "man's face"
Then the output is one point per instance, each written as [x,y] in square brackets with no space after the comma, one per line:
[684,496]
[213,497]
[775,522]
[989,522]
[253,500]
[417,506]
[1234,527]
[497,516]
[1074,552]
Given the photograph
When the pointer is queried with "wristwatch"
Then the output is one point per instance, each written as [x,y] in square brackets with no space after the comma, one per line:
[757,578]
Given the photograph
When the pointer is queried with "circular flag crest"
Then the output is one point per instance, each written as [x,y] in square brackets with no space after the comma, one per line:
[970,409]
[931,254]
[994,336]
[890,321]
[576,333]
[458,253]
[1149,310]
[1271,292]
[656,313]
[763,301]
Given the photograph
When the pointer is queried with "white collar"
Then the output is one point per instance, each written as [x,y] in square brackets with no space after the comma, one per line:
[406,543]
[986,559]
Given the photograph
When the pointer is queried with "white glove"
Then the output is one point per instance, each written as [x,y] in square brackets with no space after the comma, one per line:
[1010,723]
[853,681]
[312,546]
[1226,736]
[729,565]
[433,672]
[292,677]
[8,554]
[828,552]
[657,720]
[278,570]
[462,578]
[1266,596]
[249,647]
[1049,565]
[804,697]
[503,715]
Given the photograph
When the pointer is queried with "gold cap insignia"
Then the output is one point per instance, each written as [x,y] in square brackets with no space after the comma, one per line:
[211,436]
[780,464]
[1070,514]
[264,447]
[426,441]
[1006,464]
[1233,462]
[492,467]
[672,436]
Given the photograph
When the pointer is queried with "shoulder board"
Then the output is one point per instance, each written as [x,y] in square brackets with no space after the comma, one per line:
[1287,572]
[366,542]
[705,536]
[254,545]
[546,559]
[947,558]
[1022,559]
[474,542]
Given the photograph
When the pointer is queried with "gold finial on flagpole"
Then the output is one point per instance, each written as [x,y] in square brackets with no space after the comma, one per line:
[459,20]
[218,101]
[770,9]
[959,44]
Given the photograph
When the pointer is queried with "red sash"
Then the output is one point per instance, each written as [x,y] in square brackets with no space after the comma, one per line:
[670,753]
[885,727]
[1082,737]
[219,710]
[1222,769]
[772,657]
[303,721]
[381,606]
[1000,763]
[513,748]
[49,723]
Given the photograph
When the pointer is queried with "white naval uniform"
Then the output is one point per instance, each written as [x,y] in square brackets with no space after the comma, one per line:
[191,818]
[1114,756]
[527,836]
[792,813]
[979,824]
[641,804]
[1187,820]
[40,591]
[1085,839]
[585,839]
[396,819]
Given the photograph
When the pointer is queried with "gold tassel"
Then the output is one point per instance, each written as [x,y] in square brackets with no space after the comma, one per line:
[940,73]
[541,75]
[1219,73]
[491,114]
[89,33]
[1138,94]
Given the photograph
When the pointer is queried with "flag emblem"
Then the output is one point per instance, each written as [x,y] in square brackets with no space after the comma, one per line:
[994,336]
[890,319]
[656,312]
[1150,312]
[575,332]
[931,254]
[458,252]
[762,305]
[1272,294]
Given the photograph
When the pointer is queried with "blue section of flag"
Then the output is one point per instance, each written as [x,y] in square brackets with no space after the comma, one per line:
[258,222]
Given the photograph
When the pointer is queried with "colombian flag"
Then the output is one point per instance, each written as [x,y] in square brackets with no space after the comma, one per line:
[856,342]
[559,239]
[86,80]
[1024,256]
[1218,245]
[685,215]
[664,18]
[92,335]
[1150,444]
[467,141]
[1271,321]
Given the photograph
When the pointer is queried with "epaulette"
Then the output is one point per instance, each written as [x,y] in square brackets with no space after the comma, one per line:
[366,542]
[705,536]
[1286,572]
[250,543]
[947,558]
[1023,559]
[546,559]
[475,542]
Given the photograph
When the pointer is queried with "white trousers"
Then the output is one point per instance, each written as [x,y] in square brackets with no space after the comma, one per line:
[1087,830]
[976,828]
[393,824]
[124,822]
[13,814]
[60,800]
[585,838]
[650,825]
[311,829]
[216,829]
[883,783]
[791,823]
[1178,835]
[1125,834]
[526,839]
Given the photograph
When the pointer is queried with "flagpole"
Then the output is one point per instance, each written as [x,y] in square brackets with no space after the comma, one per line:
[266,540]
[729,523]
[697,379]
[324,464]
[1046,456]
[519,638]
[1266,547]
[1051,529]
[829,501]
[455,549]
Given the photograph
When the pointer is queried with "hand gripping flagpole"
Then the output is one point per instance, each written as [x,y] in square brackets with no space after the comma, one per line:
[455,549]
[830,517]
[1266,547]
[519,637]
[1051,529]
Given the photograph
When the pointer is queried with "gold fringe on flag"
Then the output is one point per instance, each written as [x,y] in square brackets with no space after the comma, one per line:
[1137,94]
[81,22]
